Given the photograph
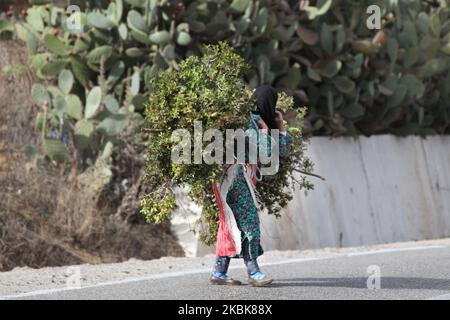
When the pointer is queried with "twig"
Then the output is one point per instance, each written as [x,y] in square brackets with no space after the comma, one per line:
[152,130]
[310,174]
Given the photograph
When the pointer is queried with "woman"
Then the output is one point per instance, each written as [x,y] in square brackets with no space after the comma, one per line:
[239,228]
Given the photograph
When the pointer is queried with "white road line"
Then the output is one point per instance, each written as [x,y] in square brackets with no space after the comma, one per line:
[104,284]
[205,270]
[441,297]
[152,277]
[363,253]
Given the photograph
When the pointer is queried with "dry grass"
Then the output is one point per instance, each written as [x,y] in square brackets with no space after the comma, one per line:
[46,218]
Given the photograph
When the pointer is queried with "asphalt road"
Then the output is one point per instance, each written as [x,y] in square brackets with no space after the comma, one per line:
[406,273]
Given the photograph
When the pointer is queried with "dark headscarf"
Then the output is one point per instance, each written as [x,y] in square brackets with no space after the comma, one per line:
[266,101]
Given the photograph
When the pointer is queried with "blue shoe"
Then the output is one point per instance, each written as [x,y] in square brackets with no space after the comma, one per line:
[259,279]
[222,279]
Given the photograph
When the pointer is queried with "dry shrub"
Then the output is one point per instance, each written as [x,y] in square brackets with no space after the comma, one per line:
[46,218]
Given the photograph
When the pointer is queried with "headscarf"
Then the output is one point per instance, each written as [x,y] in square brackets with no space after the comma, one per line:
[266,101]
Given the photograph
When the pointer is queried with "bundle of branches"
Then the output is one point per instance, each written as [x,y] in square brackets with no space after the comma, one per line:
[210,90]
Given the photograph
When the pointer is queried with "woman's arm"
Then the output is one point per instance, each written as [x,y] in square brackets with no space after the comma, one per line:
[284,138]
[264,140]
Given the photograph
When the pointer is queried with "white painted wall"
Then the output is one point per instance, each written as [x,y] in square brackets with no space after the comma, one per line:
[378,189]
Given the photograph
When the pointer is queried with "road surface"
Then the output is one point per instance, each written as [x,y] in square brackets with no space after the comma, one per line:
[414,270]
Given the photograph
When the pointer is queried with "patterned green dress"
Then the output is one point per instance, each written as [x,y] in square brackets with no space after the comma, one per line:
[240,200]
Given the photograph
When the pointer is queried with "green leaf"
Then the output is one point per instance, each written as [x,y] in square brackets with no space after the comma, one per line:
[112,104]
[6,26]
[137,3]
[96,55]
[365,46]
[38,61]
[93,101]
[340,39]
[123,31]
[116,72]
[80,71]
[114,12]
[326,39]
[397,98]
[65,81]
[241,26]
[293,77]
[54,91]
[392,49]
[353,111]
[55,45]
[318,124]
[313,74]
[411,56]
[331,68]
[423,22]
[344,84]
[169,52]
[183,27]
[83,133]
[74,107]
[59,106]
[183,38]
[39,122]
[53,68]
[415,87]
[436,25]
[160,37]
[434,67]
[410,33]
[239,5]
[197,26]
[134,52]
[56,150]
[81,45]
[308,36]
[107,150]
[137,22]
[119,10]
[39,2]
[98,20]
[55,16]
[141,37]
[113,125]
[138,102]
[135,82]
[34,19]
[27,36]
[40,94]
[446,48]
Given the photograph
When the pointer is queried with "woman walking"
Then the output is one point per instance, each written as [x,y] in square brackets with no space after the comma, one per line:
[239,227]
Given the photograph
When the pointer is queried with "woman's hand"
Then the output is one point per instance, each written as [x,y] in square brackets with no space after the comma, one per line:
[263,126]
[280,121]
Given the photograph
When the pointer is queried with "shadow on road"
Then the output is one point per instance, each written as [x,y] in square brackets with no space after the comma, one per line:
[360,282]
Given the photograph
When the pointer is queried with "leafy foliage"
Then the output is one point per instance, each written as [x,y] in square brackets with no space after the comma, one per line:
[362,81]
[209,89]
